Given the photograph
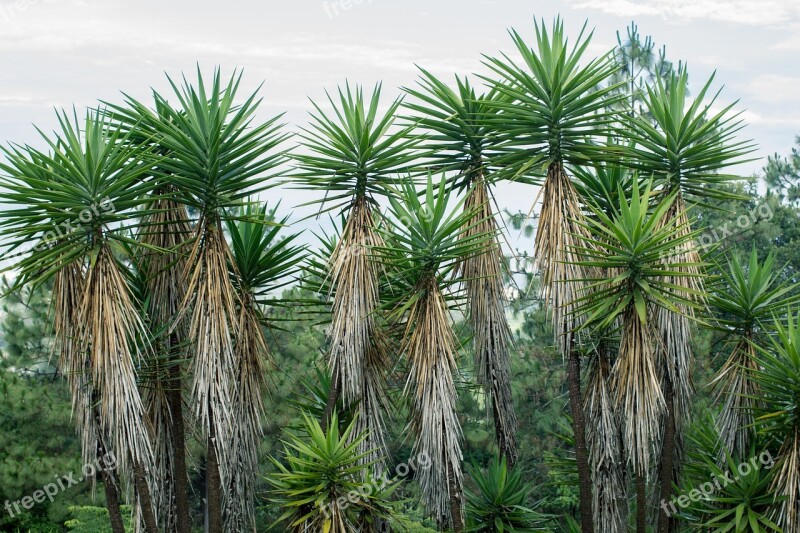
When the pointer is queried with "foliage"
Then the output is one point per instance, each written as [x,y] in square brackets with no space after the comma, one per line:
[500,503]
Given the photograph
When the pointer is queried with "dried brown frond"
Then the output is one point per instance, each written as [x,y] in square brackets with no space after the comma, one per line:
[606,452]
[165,232]
[637,391]
[372,407]
[110,326]
[251,362]
[558,237]
[213,326]
[430,345]
[486,301]
[786,485]
[738,392]
[357,355]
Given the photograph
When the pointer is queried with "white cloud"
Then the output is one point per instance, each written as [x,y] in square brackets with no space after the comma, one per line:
[751,117]
[773,88]
[749,12]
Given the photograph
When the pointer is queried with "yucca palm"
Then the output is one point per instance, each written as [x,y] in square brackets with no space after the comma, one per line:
[745,296]
[685,147]
[604,440]
[628,250]
[323,484]
[500,503]
[354,155]
[261,262]
[778,377]
[165,232]
[555,108]
[731,501]
[214,156]
[73,204]
[425,243]
[460,141]
[605,186]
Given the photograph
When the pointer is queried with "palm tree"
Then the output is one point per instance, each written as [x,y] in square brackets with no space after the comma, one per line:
[555,107]
[605,186]
[75,203]
[214,157]
[165,234]
[684,147]
[460,141]
[744,297]
[261,262]
[323,484]
[628,250]
[500,502]
[424,245]
[777,374]
[354,155]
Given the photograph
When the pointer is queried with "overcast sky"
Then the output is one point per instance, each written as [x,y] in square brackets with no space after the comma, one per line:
[59,53]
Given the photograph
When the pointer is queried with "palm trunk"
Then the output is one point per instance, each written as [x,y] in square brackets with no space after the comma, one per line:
[456,502]
[641,503]
[111,488]
[333,397]
[179,474]
[145,501]
[213,485]
[665,522]
[581,451]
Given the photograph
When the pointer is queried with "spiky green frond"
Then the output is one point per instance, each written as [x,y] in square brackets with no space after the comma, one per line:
[455,121]
[75,197]
[554,104]
[690,143]
[213,151]
[263,258]
[355,151]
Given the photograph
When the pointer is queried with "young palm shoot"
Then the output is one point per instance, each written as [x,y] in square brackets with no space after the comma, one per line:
[555,110]
[74,203]
[460,141]
[630,247]
[744,296]
[425,243]
[215,156]
[685,147]
[320,473]
[500,503]
[261,263]
[354,154]
[777,374]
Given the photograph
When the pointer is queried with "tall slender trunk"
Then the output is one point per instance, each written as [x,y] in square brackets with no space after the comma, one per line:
[456,499]
[581,451]
[333,397]
[111,489]
[179,474]
[641,503]
[145,501]
[213,485]
[505,440]
[665,522]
